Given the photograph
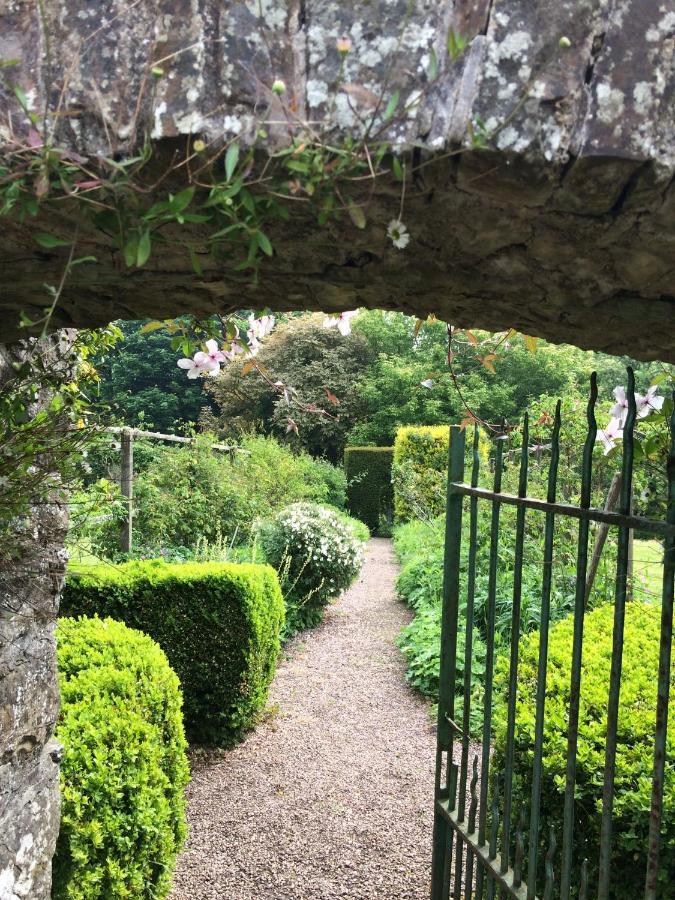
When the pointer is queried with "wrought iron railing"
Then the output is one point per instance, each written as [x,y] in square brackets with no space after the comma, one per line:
[483,845]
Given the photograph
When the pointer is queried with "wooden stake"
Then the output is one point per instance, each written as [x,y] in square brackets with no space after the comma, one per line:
[603,531]
[127,487]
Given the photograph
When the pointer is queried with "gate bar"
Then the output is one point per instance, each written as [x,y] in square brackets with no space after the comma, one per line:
[577,643]
[591,513]
[547,582]
[489,662]
[443,835]
[620,596]
[663,683]
[515,642]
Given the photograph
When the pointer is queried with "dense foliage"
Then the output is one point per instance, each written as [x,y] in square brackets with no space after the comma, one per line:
[320,365]
[634,750]
[369,490]
[317,552]
[419,547]
[124,767]
[219,625]
[376,374]
[142,386]
[187,495]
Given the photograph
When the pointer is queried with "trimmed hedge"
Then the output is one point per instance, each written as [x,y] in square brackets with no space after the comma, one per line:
[369,491]
[635,748]
[419,471]
[218,623]
[124,767]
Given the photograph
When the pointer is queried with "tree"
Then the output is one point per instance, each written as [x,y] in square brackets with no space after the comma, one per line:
[308,377]
[143,386]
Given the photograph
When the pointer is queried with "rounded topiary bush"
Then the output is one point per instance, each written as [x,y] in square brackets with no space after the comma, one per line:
[124,767]
[317,553]
[635,748]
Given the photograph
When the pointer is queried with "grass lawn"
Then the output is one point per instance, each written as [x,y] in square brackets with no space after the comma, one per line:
[648,570]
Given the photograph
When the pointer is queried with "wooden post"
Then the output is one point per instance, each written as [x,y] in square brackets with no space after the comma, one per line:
[127,487]
[601,537]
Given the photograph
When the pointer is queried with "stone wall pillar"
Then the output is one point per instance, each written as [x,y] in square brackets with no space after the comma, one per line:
[31,577]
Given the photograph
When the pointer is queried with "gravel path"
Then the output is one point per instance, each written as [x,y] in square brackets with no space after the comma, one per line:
[331,797]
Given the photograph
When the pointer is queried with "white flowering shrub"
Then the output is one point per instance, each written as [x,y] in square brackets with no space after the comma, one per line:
[317,552]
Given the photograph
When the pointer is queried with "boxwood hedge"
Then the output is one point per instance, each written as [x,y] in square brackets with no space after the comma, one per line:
[369,490]
[634,749]
[218,623]
[124,766]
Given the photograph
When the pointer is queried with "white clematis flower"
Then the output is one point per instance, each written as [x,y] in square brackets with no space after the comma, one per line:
[398,234]
[341,322]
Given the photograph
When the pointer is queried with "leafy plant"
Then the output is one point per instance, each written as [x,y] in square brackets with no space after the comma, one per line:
[188,495]
[635,747]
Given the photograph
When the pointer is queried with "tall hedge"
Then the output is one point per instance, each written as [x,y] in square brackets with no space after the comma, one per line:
[124,767]
[635,747]
[218,623]
[419,471]
[369,490]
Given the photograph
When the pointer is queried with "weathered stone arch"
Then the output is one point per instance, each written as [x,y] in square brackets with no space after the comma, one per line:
[563,227]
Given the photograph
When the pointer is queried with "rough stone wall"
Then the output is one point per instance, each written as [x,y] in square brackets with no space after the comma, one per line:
[564,226]
[31,576]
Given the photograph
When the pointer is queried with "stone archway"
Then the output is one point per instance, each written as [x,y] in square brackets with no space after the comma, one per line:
[563,226]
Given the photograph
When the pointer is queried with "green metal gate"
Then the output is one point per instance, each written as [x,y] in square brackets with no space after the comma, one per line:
[489,842]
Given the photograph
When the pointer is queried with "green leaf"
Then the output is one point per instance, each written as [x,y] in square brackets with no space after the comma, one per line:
[357,215]
[397,168]
[264,243]
[83,259]
[131,252]
[21,97]
[49,241]
[296,165]
[456,44]
[144,248]
[182,200]
[231,159]
[391,106]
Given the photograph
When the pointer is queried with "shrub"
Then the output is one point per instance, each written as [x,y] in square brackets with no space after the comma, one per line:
[369,491]
[317,552]
[124,767]
[635,746]
[218,623]
[187,494]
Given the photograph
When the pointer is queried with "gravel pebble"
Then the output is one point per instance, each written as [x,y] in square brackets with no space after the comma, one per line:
[332,795]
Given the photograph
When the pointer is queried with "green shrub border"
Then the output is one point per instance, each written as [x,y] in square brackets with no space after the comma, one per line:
[218,623]
[124,768]
[370,496]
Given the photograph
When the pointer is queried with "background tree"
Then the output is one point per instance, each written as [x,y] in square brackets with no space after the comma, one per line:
[143,387]
[308,362]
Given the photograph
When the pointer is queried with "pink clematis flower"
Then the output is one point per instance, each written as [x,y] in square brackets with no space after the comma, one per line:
[648,403]
[645,404]
[341,322]
[213,352]
[204,363]
[201,364]
[611,434]
[261,327]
